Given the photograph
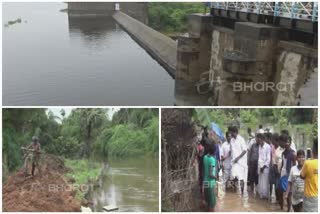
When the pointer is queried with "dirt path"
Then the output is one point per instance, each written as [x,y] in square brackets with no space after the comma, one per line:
[49,192]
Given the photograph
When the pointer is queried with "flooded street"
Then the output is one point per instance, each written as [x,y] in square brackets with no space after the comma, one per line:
[50,58]
[231,202]
[130,184]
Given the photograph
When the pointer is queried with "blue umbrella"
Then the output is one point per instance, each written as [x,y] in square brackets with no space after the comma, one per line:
[217,130]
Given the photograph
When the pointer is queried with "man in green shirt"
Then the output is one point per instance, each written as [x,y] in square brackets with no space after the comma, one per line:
[209,178]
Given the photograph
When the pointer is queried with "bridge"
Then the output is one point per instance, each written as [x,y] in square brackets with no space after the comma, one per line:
[299,18]
[251,44]
[293,10]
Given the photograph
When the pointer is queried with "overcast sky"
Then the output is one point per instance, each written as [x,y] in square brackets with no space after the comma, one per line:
[56,111]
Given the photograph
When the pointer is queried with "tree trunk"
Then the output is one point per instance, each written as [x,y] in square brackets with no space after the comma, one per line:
[88,140]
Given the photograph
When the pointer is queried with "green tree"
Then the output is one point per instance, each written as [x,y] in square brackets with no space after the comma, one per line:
[19,125]
[172,16]
[89,119]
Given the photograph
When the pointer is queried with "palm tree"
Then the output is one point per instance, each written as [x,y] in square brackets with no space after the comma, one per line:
[90,118]
[138,116]
[63,113]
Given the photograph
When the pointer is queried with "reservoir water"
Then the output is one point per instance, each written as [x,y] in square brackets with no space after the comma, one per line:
[52,59]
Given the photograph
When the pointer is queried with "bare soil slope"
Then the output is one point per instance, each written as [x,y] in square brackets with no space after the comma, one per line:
[46,193]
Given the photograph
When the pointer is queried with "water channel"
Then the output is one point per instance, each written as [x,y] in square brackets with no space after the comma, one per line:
[131,185]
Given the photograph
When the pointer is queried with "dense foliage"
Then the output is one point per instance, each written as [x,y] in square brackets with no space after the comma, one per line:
[171,16]
[84,133]
[298,121]
[132,132]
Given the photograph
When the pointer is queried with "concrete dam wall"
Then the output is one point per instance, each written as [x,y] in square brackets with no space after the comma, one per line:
[161,47]
[133,17]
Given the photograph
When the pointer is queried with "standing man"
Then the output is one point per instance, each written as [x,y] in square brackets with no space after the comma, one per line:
[277,162]
[226,158]
[288,160]
[253,157]
[309,173]
[251,140]
[263,166]
[292,145]
[296,183]
[272,176]
[239,158]
[34,155]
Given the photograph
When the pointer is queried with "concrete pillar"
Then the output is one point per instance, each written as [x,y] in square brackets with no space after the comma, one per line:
[193,58]
[199,26]
[187,69]
[222,41]
[188,58]
[296,76]
[249,70]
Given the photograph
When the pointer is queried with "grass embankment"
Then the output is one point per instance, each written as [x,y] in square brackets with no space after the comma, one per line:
[83,171]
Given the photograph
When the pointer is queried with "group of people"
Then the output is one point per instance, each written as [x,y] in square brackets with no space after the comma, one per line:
[268,162]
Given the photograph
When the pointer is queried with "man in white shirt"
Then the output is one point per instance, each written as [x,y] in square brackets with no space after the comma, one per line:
[263,166]
[226,158]
[276,163]
[239,168]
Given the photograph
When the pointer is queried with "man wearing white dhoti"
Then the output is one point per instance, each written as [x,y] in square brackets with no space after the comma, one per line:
[239,168]
[226,158]
[263,166]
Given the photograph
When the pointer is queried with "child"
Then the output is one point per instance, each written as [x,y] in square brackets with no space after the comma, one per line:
[296,183]
[209,178]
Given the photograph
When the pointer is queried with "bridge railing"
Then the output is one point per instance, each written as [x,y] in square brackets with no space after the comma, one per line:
[293,10]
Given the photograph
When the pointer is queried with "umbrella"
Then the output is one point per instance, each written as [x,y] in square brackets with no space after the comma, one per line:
[217,130]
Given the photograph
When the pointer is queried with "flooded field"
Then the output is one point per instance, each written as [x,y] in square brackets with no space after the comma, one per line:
[231,202]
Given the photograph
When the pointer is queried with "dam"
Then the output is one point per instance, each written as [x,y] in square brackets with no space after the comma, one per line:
[238,54]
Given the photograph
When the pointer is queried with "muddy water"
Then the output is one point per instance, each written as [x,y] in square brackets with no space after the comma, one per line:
[129,184]
[231,202]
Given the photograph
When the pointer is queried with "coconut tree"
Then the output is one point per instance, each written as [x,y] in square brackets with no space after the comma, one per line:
[139,116]
[90,119]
